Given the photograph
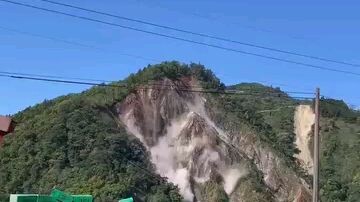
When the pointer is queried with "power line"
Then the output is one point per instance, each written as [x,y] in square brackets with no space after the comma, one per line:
[25,75]
[272,84]
[275,110]
[224,92]
[99,49]
[75,43]
[46,37]
[185,40]
[230,91]
[53,77]
[325,98]
[235,91]
[145,170]
[202,34]
[217,19]
[57,80]
[95,48]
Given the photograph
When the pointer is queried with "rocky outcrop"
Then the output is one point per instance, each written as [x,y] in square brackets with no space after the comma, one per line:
[189,149]
[281,180]
[154,108]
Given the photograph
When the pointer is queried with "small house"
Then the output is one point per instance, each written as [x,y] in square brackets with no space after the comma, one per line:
[7,126]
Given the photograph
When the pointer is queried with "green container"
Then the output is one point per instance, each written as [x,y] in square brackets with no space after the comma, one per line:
[43,198]
[26,199]
[82,198]
[56,196]
[29,198]
[127,200]
[23,197]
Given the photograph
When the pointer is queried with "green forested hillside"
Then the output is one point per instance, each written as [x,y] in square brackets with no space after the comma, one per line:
[75,143]
[340,152]
[340,136]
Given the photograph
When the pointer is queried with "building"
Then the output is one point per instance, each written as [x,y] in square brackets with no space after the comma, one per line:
[7,126]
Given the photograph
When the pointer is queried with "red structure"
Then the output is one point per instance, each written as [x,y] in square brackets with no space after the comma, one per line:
[7,126]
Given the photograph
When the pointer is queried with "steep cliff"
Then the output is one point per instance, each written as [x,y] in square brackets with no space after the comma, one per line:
[189,149]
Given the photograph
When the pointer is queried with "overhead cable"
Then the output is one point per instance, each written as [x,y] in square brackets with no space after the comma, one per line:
[187,40]
[71,79]
[224,92]
[202,34]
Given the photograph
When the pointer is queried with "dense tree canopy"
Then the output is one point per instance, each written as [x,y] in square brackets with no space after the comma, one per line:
[77,146]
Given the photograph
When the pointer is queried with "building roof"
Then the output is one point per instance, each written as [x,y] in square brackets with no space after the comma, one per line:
[5,123]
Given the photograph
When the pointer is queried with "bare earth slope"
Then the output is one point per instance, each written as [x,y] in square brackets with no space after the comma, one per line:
[189,149]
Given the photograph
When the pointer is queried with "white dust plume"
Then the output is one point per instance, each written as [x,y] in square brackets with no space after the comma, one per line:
[303,120]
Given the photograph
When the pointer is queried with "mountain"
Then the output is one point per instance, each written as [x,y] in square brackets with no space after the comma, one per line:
[159,137]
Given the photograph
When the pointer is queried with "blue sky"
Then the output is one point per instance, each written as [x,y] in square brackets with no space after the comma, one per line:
[323,28]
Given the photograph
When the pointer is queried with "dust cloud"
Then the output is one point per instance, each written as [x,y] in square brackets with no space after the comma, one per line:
[303,120]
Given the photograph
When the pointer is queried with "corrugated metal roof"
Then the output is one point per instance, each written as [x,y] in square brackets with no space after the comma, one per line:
[5,123]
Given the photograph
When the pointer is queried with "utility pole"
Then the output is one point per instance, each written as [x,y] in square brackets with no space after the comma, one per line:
[316,148]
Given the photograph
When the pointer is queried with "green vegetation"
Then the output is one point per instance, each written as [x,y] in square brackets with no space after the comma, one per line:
[213,192]
[251,190]
[244,113]
[75,143]
[175,70]
[340,158]
[340,131]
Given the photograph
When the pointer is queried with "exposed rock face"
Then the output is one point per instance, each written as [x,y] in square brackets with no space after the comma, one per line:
[281,180]
[189,149]
[303,121]
[302,196]
[152,110]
